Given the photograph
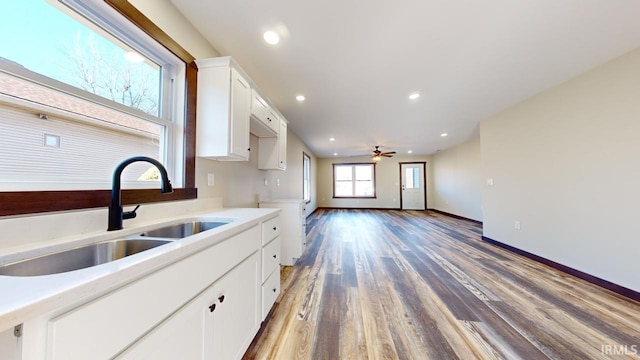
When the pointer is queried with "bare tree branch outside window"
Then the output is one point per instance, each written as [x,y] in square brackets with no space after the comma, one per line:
[104,71]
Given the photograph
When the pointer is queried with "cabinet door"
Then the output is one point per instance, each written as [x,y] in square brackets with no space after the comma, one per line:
[282,146]
[220,323]
[259,107]
[182,336]
[273,120]
[236,318]
[240,113]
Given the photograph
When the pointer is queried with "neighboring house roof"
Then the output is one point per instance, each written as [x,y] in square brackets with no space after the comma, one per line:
[22,89]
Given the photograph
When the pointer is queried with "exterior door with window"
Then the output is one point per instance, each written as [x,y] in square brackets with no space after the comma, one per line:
[412,186]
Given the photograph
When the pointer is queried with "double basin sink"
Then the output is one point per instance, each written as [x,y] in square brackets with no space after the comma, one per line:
[106,251]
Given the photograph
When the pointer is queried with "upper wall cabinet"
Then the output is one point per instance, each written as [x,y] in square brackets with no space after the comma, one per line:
[273,120]
[262,124]
[272,154]
[223,110]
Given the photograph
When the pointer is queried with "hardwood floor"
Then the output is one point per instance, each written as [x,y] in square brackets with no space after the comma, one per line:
[379,284]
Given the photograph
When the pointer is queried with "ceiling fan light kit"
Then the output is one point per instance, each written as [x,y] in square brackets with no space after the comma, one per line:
[377,154]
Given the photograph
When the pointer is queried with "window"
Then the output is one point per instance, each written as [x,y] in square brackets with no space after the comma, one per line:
[306,177]
[82,89]
[412,178]
[125,22]
[354,181]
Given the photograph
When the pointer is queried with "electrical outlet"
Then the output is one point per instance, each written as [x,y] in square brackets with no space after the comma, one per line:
[277,182]
[490,181]
[516,225]
[211,180]
[266,182]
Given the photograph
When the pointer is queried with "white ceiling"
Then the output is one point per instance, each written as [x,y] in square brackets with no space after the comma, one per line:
[357,61]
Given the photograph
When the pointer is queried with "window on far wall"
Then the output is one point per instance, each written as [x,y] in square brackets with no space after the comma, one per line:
[354,180]
[82,89]
[306,177]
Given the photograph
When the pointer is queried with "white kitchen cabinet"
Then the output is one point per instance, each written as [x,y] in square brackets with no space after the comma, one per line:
[223,110]
[236,318]
[182,336]
[273,121]
[272,152]
[270,292]
[261,119]
[293,227]
[10,345]
[220,323]
[259,107]
[271,255]
[138,309]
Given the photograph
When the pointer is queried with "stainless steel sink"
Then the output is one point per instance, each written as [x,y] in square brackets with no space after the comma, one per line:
[182,230]
[80,258]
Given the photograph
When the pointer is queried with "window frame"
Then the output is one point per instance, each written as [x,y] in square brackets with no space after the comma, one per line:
[306,177]
[373,166]
[32,202]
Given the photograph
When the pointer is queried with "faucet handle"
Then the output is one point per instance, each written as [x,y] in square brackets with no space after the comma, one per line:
[130,214]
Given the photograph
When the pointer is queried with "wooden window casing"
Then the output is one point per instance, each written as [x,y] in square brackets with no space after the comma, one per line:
[354,180]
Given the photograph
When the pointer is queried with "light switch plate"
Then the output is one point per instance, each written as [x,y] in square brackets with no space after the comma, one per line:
[211,180]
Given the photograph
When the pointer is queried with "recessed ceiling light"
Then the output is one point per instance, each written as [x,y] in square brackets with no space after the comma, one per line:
[414,96]
[444,134]
[410,151]
[332,139]
[301,98]
[335,154]
[271,37]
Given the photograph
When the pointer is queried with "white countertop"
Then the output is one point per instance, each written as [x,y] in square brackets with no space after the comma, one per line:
[284,201]
[28,297]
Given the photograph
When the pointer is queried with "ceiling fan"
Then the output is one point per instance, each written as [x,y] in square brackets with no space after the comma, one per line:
[377,154]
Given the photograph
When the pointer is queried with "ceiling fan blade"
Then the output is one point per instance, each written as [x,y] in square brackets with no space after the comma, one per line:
[388,152]
[386,155]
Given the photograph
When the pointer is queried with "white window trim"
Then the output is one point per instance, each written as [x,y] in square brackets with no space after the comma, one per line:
[306,177]
[173,91]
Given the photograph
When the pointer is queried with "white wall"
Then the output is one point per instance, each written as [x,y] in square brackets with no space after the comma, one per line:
[565,164]
[457,180]
[387,182]
[172,22]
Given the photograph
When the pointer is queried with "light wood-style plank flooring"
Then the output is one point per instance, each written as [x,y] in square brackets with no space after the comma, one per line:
[377,284]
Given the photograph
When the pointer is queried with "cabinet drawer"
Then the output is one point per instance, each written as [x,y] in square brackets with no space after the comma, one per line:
[270,229]
[270,258]
[270,292]
[127,313]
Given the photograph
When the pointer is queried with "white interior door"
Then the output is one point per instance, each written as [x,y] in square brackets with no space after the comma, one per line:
[413,186]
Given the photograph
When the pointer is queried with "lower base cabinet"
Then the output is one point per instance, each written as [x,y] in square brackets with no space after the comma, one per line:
[219,323]
[206,306]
